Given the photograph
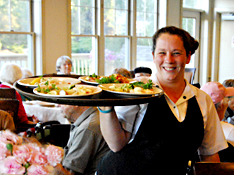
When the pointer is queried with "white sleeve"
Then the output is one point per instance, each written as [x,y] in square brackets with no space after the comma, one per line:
[127,116]
[214,139]
[228,130]
[230,137]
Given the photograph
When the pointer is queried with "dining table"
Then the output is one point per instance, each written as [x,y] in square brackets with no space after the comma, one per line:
[45,111]
[104,98]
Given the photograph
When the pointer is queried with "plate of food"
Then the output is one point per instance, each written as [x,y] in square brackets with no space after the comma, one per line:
[34,82]
[90,79]
[65,90]
[113,78]
[135,88]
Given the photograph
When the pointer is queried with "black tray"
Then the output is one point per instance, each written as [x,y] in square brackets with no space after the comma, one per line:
[102,99]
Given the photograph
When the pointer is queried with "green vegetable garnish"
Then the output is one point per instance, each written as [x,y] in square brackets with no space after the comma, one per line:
[38,88]
[72,86]
[94,75]
[148,85]
[53,86]
[47,83]
[110,79]
[126,87]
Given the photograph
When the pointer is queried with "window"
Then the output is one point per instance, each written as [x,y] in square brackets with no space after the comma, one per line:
[117,36]
[146,26]
[84,40]
[195,4]
[16,37]
[191,23]
[124,21]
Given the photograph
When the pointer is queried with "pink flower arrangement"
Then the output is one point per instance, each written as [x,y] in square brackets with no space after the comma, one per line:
[17,157]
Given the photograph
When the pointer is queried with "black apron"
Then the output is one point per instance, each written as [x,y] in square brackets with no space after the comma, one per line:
[162,145]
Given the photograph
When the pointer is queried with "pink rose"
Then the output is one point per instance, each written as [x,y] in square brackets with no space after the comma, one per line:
[10,165]
[38,158]
[4,152]
[23,153]
[54,154]
[36,169]
[35,148]
[37,154]
[10,137]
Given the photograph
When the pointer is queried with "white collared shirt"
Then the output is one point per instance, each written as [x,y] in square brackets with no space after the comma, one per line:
[213,141]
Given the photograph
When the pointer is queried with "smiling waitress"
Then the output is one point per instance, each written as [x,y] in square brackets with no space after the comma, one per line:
[162,136]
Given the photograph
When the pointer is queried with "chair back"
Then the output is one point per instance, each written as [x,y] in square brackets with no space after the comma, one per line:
[60,134]
[7,93]
[11,106]
[189,74]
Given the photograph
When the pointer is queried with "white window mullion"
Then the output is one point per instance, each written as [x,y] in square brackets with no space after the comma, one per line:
[133,48]
[78,13]
[9,12]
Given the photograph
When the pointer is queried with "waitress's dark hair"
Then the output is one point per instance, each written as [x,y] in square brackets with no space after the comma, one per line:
[190,44]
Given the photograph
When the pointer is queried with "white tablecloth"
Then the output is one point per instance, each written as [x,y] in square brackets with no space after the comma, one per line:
[43,113]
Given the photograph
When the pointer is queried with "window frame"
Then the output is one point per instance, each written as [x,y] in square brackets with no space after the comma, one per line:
[32,54]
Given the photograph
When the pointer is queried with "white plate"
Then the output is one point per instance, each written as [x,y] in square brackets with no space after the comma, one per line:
[26,81]
[96,90]
[105,87]
[83,78]
[46,104]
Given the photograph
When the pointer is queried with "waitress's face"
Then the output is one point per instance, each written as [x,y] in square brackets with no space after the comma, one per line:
[66,67]
[170,58]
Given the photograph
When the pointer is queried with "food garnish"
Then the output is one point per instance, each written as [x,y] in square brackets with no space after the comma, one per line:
[114,78]
[92,77]
[53,89]
[135,87]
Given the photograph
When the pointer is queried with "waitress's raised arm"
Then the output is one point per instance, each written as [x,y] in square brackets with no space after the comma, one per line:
[112,130]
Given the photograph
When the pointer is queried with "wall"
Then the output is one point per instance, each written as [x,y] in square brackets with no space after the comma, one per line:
[226,62]
[56,31]
[226,59]
[224,5]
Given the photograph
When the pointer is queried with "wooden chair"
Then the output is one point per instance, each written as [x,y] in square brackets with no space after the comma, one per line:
[7,93]
[214,168]
[189,74]
[11,106]
[9,103]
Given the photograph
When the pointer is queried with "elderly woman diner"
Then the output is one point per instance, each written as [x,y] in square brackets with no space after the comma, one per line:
[9,74]
[64,65]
